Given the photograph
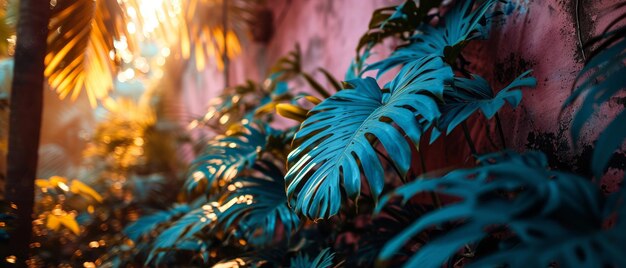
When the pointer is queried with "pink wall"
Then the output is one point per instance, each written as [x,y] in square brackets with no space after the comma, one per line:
[534,34]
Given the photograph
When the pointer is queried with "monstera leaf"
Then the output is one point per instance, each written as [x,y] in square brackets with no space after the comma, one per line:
[338,135]
[323,260]
[469,95]
[395,21]
[603,77]
[553,216]
[257,222]
[225,157]
[461,26]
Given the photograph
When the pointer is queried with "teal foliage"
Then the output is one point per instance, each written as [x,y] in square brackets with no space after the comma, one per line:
[323,260]
[554,216]
[467,96]
[461,26]
[335,137]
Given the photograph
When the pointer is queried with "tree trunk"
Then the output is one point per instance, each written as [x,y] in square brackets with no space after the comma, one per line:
[25,119]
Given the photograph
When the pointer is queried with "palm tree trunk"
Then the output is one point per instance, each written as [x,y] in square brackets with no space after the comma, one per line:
[25,119]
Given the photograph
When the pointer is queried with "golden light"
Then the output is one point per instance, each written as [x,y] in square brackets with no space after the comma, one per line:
[94,244]
[11,259]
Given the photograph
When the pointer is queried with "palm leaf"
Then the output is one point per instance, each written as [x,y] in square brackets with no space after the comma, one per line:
[554,216]
[201,29]
[395,21]
[249,208]
[323,260]
[79,47]
[469,95]
[603,76]
[225,157]
[258,222]
[290,67]
[337,136]
[461,26]
[177,236]
[148,223]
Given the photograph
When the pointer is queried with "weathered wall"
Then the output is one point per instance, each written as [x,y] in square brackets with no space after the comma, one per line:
[533,34]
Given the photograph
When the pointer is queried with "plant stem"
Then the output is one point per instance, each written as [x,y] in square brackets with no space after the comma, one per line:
[470,143]
[578,32]
[499,126]
[434,196]
[389,161]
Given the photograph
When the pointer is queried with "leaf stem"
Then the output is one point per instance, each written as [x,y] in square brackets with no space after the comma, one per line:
[389,161]
[468,138]
[433,195]
[578,32]
[499,126]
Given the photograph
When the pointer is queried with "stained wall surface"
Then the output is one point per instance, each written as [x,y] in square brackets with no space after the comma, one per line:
[542,35]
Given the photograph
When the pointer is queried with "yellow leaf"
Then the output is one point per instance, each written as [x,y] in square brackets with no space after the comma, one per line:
[53,222]
[78,187]
[266,109]
[291,111]
[55,180]
[69,221]
[43,184]
[313,99]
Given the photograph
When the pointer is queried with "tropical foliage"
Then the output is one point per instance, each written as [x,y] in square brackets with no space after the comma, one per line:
[236,207]
[341,184]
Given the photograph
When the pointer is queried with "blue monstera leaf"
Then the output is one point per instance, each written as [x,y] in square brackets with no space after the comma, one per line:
[336,140]
[467,96]
[461,26]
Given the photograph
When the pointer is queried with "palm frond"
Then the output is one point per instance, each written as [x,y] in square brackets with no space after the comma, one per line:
[461,26]
[148,223]
[337,136]
[225,157]
[467,96]
[80,45]
[553,216]
[323,260]
[202,29]
[259,222]
[395,21]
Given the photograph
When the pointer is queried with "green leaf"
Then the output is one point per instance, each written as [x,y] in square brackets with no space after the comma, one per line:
[469,95]
[337,136]
[461,26]
[554,216]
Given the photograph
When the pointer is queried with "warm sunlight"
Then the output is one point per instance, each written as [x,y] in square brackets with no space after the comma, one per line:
[312,133]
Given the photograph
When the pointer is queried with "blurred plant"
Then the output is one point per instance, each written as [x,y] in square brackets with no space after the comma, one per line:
[603,77]
[60,204]
[265,194]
